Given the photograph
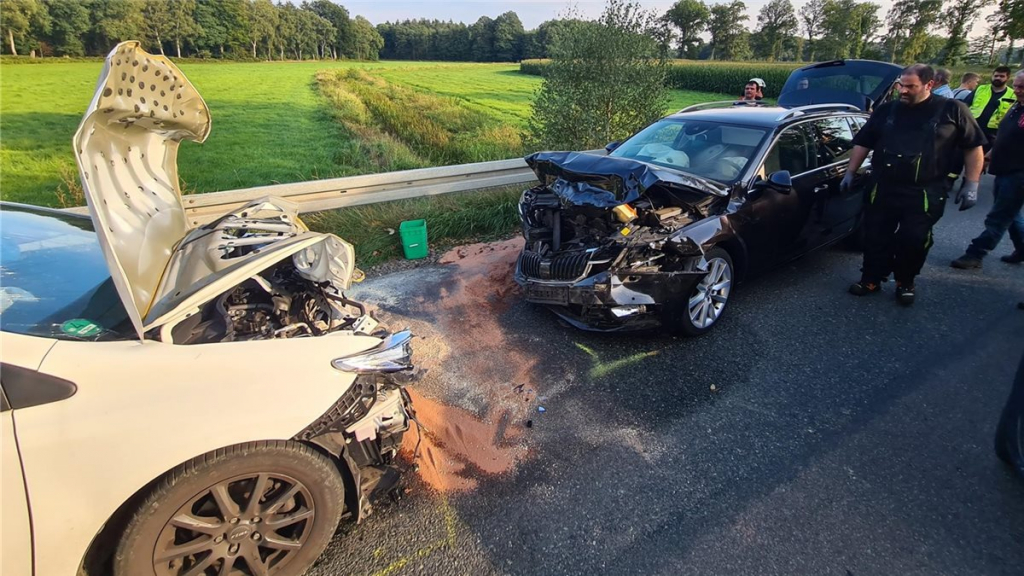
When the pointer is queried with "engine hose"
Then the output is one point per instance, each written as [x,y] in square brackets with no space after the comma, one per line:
[556,230]
[251,307]
[346,301]
[229,324]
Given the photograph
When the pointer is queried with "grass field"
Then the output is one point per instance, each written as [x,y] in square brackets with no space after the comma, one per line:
[271,123]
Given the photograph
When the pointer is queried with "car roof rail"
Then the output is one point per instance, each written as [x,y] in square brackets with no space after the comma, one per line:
[801,110]
[716,104]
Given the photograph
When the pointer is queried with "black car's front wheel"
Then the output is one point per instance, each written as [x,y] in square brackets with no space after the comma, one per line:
[709,298]
[258,509]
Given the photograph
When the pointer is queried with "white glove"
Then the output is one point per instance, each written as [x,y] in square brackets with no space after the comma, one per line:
[967,197]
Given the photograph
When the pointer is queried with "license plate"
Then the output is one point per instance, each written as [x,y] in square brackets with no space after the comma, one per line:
[547,294]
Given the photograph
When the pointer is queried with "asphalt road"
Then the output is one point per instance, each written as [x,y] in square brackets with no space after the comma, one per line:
[843,435]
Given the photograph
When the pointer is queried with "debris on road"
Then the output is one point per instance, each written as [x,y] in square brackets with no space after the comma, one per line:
[467,410]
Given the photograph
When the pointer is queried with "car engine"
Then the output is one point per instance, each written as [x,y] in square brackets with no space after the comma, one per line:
[297,296]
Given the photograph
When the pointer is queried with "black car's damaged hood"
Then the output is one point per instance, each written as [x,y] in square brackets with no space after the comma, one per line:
[583,179]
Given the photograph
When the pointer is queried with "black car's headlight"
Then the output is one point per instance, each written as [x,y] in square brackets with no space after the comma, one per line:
[393,354]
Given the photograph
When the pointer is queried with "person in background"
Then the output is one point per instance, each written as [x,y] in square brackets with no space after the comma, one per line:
[913,140]
[1006,163]
[942,76]
[990,102]
[803,84]
[968,83]
[753,90]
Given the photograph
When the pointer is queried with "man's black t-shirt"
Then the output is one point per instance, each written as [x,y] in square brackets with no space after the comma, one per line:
[1008,149]
[955,131]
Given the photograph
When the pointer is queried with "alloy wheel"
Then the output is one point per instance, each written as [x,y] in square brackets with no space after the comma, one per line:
[711,295]
[250,525]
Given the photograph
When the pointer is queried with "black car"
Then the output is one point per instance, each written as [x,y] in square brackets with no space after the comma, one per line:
[659,231]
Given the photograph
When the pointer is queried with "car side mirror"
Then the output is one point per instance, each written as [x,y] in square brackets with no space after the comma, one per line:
[780,182]
[611,146]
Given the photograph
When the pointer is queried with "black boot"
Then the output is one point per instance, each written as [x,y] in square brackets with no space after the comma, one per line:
[905,295]
[863,288]
[1016,258]
[966,262]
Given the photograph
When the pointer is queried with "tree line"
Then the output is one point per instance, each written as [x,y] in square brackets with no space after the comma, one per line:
[237,29]
[911,31]
[934,31]
[918,30]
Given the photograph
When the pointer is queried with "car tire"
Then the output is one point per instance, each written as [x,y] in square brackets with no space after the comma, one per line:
[201,513]
[713,291]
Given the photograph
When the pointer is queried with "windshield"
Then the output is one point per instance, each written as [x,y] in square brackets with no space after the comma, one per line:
[54,280]
[710,150]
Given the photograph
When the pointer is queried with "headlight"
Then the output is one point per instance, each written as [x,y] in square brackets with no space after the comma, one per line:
[392,355]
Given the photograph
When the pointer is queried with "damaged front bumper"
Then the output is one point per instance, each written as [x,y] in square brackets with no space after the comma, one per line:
[611,300]
[364,428]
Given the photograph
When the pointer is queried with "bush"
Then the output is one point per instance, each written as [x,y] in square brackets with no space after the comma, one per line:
[605,81]
[533,67]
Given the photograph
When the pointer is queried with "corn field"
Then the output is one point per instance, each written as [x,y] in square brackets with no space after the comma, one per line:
[709,76]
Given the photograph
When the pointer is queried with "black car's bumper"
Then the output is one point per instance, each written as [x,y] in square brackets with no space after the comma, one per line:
[612,301]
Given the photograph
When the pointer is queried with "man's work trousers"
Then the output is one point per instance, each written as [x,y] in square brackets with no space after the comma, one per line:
[898,222]
[1004,215]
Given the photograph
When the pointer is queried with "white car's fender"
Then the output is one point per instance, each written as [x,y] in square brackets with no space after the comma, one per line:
[142,408]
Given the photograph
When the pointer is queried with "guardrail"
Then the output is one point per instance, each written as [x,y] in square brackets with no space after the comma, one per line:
[317,195]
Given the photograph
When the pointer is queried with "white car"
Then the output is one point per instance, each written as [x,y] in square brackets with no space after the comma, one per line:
[182,401]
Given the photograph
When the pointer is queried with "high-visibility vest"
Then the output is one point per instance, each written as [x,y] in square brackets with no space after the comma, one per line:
[982,95]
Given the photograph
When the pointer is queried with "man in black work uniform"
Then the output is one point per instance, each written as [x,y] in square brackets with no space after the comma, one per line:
[912,141]
[1007,165]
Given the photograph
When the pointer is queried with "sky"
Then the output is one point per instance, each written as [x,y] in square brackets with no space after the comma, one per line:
[533,12]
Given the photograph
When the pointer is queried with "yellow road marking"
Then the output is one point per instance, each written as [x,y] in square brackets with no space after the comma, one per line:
[446,542]
[600,368]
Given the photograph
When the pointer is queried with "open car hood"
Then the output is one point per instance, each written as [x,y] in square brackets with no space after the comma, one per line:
[862,83]
[127,148]
[583,179]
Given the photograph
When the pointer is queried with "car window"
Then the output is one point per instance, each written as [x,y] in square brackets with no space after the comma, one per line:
[666,133]
[857,122]
[54,280]
[707,149]
[835,139]
[793,151]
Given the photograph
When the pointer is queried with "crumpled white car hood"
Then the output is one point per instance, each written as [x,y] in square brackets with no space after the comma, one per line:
[127,150]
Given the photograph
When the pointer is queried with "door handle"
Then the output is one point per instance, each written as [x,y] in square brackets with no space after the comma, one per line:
[820,189]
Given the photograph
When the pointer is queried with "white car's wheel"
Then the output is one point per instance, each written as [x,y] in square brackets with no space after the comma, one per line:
[258,509]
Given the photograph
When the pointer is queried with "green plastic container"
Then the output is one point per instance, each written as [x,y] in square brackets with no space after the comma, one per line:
[414,238]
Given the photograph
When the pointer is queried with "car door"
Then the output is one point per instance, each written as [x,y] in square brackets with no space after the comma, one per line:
[789,223]
[838,209]
[21,353]
[15,529]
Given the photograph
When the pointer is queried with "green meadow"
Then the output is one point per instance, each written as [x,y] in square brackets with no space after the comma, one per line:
[283,122]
